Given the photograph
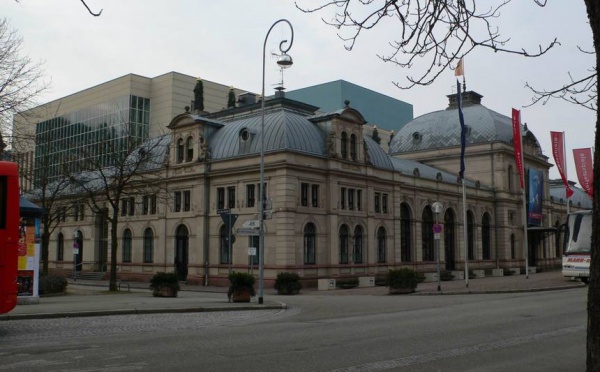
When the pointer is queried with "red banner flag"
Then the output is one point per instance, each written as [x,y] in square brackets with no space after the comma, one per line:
[558,151]
[516,126]
[585,169]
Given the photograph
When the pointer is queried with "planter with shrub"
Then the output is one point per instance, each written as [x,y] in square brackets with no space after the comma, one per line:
[402,281]
[288,283]
[164,284]
[52,284]
[241,287]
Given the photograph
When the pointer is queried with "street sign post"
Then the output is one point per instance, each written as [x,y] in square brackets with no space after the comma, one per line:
[252,224]
[246,231]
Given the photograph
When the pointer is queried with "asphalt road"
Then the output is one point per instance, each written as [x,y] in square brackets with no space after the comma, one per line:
[537,331]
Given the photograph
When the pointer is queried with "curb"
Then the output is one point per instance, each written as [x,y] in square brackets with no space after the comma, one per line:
[81,314]
[497,291]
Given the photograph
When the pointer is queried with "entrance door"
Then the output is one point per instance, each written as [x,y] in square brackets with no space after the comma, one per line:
[449,240]
[181,252]
[78,244]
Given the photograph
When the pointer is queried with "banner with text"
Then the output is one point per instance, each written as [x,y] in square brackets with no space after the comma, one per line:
[585,169]
[558,151]
[516,126]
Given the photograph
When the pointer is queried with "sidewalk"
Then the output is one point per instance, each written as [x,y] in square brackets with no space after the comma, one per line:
[91,298]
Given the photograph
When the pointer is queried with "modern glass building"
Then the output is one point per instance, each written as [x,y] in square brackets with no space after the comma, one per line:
[100,122]
[99,133]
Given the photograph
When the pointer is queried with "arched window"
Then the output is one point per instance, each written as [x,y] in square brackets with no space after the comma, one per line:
[344,145]
[471,235]
[148,246]
[179,150]
[127,245]
[427,234]
[60,247]
[358,245]
[512,246]
[381,246]
[405,233]
[486,237]
[223,245]
[353,149]
[449,239]
[309,244]
[189,149]
[344,234]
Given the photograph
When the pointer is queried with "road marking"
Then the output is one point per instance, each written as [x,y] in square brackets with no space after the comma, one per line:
[429,357]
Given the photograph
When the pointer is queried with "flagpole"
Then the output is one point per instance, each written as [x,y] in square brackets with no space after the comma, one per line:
[463,140]
[566,174]
[525,242]
[465,233]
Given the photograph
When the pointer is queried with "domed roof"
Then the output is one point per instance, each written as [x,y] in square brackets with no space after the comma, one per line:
[441,129]
[376,154]
[284,130]
[580,198]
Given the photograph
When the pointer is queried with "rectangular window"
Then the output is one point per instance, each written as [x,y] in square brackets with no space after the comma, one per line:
[315,195]
[250,195]
[131,205]
[384,203]
[231,197]
[359,200]
[177,201]
[220,198]
[76,212]
[145,204]
[343,198]
[304,194]
[123,207]
[153,204]
[377,202]
[186,200]
[351,199]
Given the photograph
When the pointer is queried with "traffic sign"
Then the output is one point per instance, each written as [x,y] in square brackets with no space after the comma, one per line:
[251,251]
[229,219]
[252,224]
[221,211]
[245,231]
[437,228]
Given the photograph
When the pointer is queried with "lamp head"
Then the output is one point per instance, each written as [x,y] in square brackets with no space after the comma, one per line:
[285,60]
[437,207]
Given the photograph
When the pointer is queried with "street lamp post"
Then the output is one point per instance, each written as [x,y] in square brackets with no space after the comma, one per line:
[437,209]
[283,61]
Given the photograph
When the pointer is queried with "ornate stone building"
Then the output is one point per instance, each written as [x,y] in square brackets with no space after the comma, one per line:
[339,205]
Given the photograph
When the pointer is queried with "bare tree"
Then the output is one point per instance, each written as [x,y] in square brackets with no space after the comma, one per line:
[434,33]
[442,32]
[20,78]
[110,176]
[95,14]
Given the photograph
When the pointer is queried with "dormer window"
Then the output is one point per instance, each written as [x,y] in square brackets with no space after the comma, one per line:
[245,134]
[416,136]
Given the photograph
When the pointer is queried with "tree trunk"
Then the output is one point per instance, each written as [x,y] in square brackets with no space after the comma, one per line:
[593,306]
[45,246]
[114,222]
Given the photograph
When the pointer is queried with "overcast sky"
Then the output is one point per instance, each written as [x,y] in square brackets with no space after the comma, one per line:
[222,41]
